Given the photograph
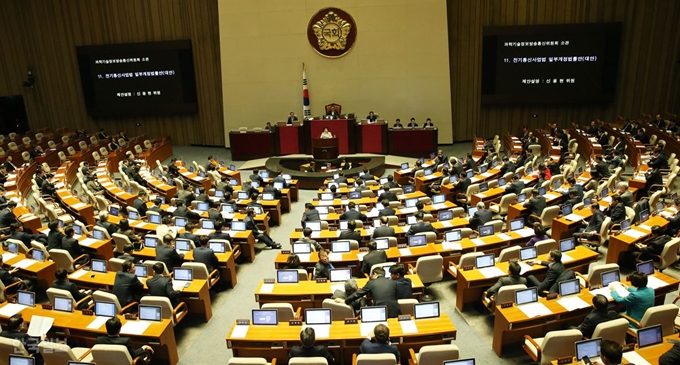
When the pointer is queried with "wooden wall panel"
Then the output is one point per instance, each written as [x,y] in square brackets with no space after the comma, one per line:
[42,35]
[649,70]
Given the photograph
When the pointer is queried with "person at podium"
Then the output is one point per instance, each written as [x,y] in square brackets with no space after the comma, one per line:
[291,118]
[326,133]
[371,117]
[397,124]
[412,123]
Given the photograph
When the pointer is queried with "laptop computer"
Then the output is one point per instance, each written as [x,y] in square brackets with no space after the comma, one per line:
[141,271]
[427,172]
[405,166]
[238,226]
[326,196]
[541,190]
[529,170]
[105,309]
[411,219]
[242,195]
[408,189]
[202,206]
[453,236]
[483,187]
[155,218]
[340,275]
[38,255]
[217,247]
[569,287]
[426,310]
[374,314]
[219,193]
[265,317]
[21,360]
[255,184]
[63,304]
[410,202]
[314,226]
[417,240]
[287,276]
[278,185]
[183,274]
[587,202]
[354,195]
[590,348]
[301,247]
[150,313]
[340,246]
[557,184]
[646,267]
[644,216]
[182,245]
[114,211]
[501,181]
[133,216]
[459,362]
[98,265]
[485,231]
[383,181]
[267,196]
[322,210]
[604,193]
[207,224]
[521,198]
[525,296]
[625,225]
[445,215]
[483,169]
[77,229]
[609,277]
[528,253]
[566,209]
[180,221]
[26,298]
[439,198]
[319,316]
[342,225]
[485,261]
[472,211]
[567,244]
[649,336]
[233,182]
[470,174]
[150,242]
[12,247]
[382,243]
[516,224]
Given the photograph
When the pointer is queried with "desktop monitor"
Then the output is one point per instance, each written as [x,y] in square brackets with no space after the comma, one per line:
[528,253]
[180,221]
[646,267]
[255,184]
[238,226]
[417,240]
[242,195]
[182,244]
[486,231]
[438,198]
[267,197]
[470,174]
[644,216]
[590,348]
[605,193]
[155,218]
[105,309]
[207,224]
[382,243]
[268,317]
[408,189]
[411,219]
[133,216]
[521,198]
[609,277]
[150,241]
[301,248]
[354,195]
[63,304]
[98,265]
[460,362]
[485,261]
[445,215]
[21,360]
[141,271]
[649,336]
[341,275]
[217,247]
[38,255]
[566,209]
[374,314]
[483,187]
[426,310]
[453,236]
[287,276]
[233,182]
[501,181]
[318,316]
[567,244]
[569,287]
[219,193]
[113,211]
[483,169]
[183,274]
[525,296]
[405,166]
[150,313]
[541,190]
[409,203]
[340,246]
[342,225]
[264,174]
[327,196]
[278,185]
[472,211]
[516,224]
[26,298]
[427,172]
[202,206]
[314,226]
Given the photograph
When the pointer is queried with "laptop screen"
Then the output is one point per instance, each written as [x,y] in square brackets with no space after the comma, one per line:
[77,229]
[382,243]
[180,221]
[426,310]
[267,196]
[472,211]
[383,181]
[217,247]
[427,172]
[278,185]
[265,317]
[374,314]
[470,174]
[242,195]
[541,191]
[238,226]
[453,236]
[483,187]
[556,185]
[264,174]
[342,225]
[590,348]
[439,198]
[486,231]
[314,226]
[527,253]
[408,189]
[404,166]
[567,244]
[569,287]
[150,313]
[98,265]
[141,271]
[460,362]
[286,276]
[485,261]
[625,225]
[526,296]
[650,336]
[133,216]
[318,316]
[646,267]
[182,274]
[417,240]
[605,193]
[529,170]
[644,216]
[659,206]
[609,277]
[113,211]
[501,182]
[376,223]
[354,195]
[340,275]
[12,247]
[445,215]
[566,209]
[21,360]
[410,202]
[182,244]
[219,193]
[63,304]
[255,184]
[26,298]
[38,255]
[301,247]
[521,198]
[411,219]
[150,241]
[207,224]
[105,309]
[327,196]
[517,224]
[340,246]
[587,202]
[202,206]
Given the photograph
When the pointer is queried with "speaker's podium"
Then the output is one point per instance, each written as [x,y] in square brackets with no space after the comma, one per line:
[325,148]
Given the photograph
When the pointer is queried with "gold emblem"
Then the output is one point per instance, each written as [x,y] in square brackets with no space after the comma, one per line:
[332,32]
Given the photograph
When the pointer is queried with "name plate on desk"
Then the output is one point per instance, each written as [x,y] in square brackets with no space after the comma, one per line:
[130,316]
[506,304]
[468,267]
[565,360]
[87,312]
[244,322]
[285,252]
[402,245]
[351,321]
[47,307]
[295,322]
[551,296]
[298,229]
[270,281]
[321,280]
[363,249]
[404,317]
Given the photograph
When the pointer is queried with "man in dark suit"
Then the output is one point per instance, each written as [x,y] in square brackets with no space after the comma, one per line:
[571,181]
[378,342]
[536,204]
[205,255]
[654,246]
[167,254]
[374,256]
[387,195]
[653,178]
[127,253]
[126,285]
[625,194]
[213,211]
[616,211]
[140,203]
[672,356]
[14,331]
[562,143]
[309,348]
[600,170]
[513,278]
[185,195]
[508,166]
[310,214]
[3,198]
[555,269]
[8,278]
[572,197]
[352,214]
[104,223]
[113,326]
[291,118]
[481,216]
[9,166]
[390,181]
[387,210]
[260,236]
[54,236]
[218,234]
[307,238]
[323,267]
[420,226]
[412,123]
[17,232]
[63,283]
[7,216]
[470,164]
[350,233]
[600,314]
[674,221]
[161,286]
[202,196]
[592,226]
[3,174]
[156,207]
[341,178]
[255,176]
[350,288]
[182,211]
[462,184]
[371,117]
[384,230]
[223,184]
[404,284]
[659,160]
[382,290]
[72,246]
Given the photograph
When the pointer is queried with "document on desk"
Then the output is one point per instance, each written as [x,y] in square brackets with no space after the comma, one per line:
[8,256]
[524,268]
[78,273]
[316,234]
[446,224]
[478,241]
[655,283]
[360,256]
[453,246]
[645,227]
[11,309]
[525,232]
[203,232]
[320,330]
[333,256]
[607,199]
[492,272]
[179,284]
[266,288]
[78,206]
[504,237]
[535,309]
[240,331]
[305,257]
[572,303]
[634,233]
[567,258]
[88,242]
[634,358]
[39,326]
[97,323]
[408,210]
[405,251]
[406,228]
[170,209]
[135,327]
[409,326]
[574,217]
[439,206]
[335,287]
[228,216]
[551,196]
[25,263]
[620,290]
[325,202]
[367,328]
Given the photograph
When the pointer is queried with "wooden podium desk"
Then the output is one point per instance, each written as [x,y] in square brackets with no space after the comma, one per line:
[160,335]
[342,128]
[412,142]
[511,324]
[43,271]
[112,190]
[344,339]
[401,176]
[512,144]
[230,174]
[563,227]
[196,295]
[620,243]
[471,283]
[424,181]
[310,294]
[102,249]
[545,140]
[650,353]
[72,203]
[372,137]
[518,210]
[273,207]
[325,148]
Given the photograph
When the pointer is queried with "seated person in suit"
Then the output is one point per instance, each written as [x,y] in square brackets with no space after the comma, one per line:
[260,236]
[310,214]
[352,213]
[113,326]
[536,204]
[555,269]
[428,123]
[404,284]
[412,123]
[18,232]
[323,267]
[573,197]
[127,253]
[307,237]
[672,356]
[156,207]
[378,342]
[382,290]
[167,227]
[384,230]
[312,166]
[654,246]
[371,117]
[373,257]
[205,255]
[592,226]
[481,216]
[600,314]
[72,246]
[350,233]
[291,118]
[513,278]
[8,278]
[387,195]
[397,124]
[350,288]
[104,223]
[54,236]
[63,283]
[14,331]
[161,286]
[126,285]
[386,210]
[309,348]
[182,211]
[167,254]
[342,179]
[420,226]
[326,133]
[140,203]
[125,229]
[508,166]
[616,210]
